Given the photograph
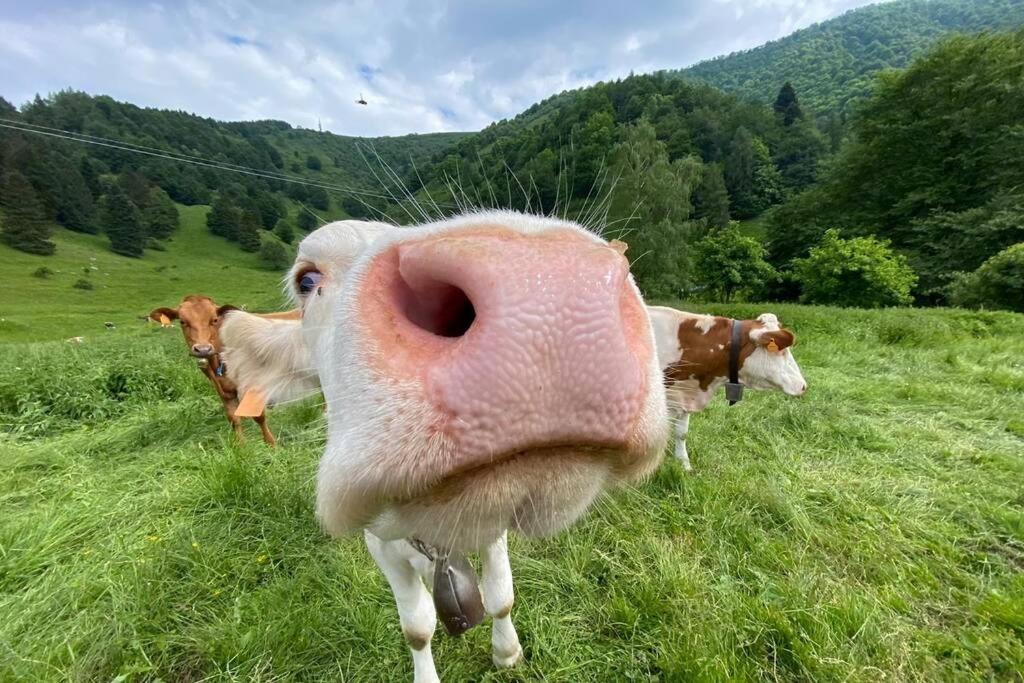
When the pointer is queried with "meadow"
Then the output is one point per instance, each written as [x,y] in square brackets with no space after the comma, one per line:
[34,308]
[872,530]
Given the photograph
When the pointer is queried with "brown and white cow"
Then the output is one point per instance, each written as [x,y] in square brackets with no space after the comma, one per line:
[488,372]
[201,320]
[694,350]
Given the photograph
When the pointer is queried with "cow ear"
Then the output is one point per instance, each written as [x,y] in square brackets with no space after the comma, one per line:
[221,310]
[776,340]
[161,314]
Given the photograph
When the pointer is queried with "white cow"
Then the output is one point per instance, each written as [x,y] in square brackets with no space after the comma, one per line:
[489,372]
[695,352]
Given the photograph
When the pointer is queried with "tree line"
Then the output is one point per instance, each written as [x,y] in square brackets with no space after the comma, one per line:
[935,167]
[47,181]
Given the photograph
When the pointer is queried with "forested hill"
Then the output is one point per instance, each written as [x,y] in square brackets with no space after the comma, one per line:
[834,63]
[125,181]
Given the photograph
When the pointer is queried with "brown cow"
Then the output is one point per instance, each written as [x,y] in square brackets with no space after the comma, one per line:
[200,322]
[694,350]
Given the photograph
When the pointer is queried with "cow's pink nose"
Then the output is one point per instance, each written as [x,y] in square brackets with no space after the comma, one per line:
[518,341]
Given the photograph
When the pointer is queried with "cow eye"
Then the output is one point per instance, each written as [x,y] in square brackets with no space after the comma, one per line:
[309,281]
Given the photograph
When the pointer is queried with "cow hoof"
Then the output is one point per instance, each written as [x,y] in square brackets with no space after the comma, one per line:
[507,662]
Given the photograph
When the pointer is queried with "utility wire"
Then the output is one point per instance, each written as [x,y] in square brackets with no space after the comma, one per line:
[174,156]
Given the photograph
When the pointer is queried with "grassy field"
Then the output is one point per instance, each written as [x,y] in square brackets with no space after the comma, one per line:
[872,530]
[36,309]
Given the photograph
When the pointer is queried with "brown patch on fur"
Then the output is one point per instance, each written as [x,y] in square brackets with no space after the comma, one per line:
[702,359]
[416,642]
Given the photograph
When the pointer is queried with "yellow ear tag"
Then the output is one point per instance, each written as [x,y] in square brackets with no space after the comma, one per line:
[772,346]
[619,246]
[253,403]
[164,321]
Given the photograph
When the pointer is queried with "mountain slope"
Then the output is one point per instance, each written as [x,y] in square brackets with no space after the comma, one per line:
[258,165]
[834,63]
[34,308]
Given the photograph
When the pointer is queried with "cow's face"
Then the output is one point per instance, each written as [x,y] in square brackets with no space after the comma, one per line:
[771,364]
[491,371]
[200,322]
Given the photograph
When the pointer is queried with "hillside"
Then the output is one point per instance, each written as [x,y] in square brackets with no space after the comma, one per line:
[833,64]
[139,160]
[195,262]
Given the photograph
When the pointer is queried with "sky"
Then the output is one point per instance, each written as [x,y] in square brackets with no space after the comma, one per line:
[422,65]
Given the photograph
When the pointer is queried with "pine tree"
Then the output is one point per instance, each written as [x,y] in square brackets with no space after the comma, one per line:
[159,214]
[249,231]
[136,186]
[711,199]
[306,220]
[90,170]
[274,254]
[270,208]
[753,181]
[75,208]
[284,231]
[787,106]
[24,227]
[740,167]
[224,218]
[318,199]
[123,224]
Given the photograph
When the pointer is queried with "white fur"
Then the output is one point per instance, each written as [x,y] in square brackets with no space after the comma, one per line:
[705,323]
[268,355]
[377,424]
[666,334]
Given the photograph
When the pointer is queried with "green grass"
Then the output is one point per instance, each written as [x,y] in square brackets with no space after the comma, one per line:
[872,530]
[195,262]
[755,227]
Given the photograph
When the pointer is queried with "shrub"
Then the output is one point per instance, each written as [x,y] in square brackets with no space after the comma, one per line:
[42,272]
[82,283]
[997,283]
[862,272]
[306,220]
[727,263]
[284,231]
[274,255]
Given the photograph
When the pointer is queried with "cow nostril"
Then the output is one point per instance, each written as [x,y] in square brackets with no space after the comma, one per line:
[437,307]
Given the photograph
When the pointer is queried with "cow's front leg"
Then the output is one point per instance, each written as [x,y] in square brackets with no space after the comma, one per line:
[496,589]
[236,422]
[268,436]
[415,606]
[682,427]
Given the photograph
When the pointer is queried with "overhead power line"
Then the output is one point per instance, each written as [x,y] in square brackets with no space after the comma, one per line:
[176,156]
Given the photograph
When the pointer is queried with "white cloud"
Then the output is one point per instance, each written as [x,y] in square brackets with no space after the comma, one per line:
[423,65]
